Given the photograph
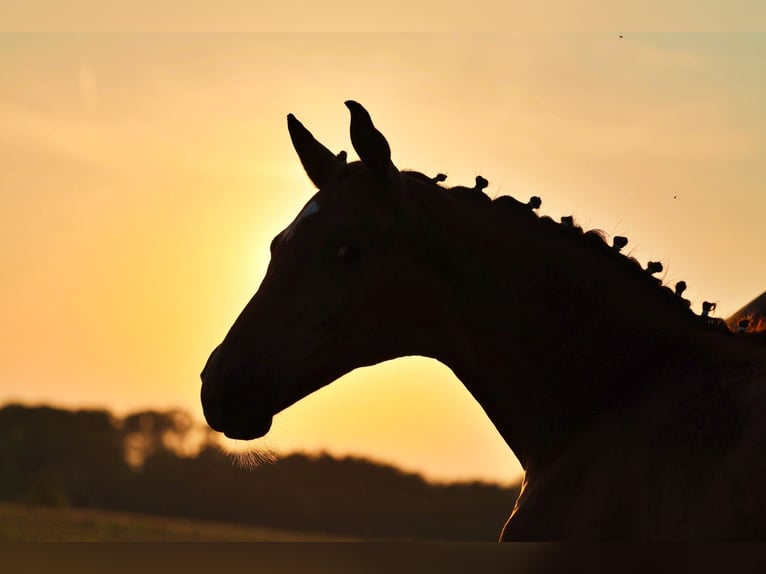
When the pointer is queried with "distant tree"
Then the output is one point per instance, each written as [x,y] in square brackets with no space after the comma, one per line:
[60,457]
[79,458]
[349,496]
[147,433]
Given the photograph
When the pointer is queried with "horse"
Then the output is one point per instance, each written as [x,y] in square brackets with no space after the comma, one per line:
[633,417]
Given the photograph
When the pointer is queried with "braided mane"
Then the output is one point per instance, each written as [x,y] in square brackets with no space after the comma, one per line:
[508,208]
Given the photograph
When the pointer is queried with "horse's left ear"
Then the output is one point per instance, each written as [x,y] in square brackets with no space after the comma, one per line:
[318,161]
[369,143]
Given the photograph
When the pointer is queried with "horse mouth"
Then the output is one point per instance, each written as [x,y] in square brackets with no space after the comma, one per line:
[241,420]
[241,423]
[237,415]
[243,408]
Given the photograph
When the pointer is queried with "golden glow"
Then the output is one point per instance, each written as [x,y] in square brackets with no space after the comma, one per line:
[142,178]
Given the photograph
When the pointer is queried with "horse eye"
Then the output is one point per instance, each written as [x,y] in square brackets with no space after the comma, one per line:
[348,254]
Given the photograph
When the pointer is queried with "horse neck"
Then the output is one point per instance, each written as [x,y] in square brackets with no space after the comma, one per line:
[547,333]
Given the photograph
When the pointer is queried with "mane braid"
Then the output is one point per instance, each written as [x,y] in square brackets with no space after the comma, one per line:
[593,239]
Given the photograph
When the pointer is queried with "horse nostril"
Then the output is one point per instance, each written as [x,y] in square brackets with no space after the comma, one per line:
[210,359]
[210,396]
[211,408]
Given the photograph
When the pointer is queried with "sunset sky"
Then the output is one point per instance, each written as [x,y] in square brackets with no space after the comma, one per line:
[142,177]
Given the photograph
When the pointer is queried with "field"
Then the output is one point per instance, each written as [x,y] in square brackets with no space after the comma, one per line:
[22,523]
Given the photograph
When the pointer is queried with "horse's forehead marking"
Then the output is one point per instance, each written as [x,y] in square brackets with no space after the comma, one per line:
[310,208]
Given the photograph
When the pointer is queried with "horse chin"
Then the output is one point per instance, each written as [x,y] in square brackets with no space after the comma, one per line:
[253,428]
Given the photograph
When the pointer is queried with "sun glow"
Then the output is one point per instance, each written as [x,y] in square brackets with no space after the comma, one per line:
[142,178]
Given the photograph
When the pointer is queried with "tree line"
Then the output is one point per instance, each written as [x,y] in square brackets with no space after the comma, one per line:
[143,463]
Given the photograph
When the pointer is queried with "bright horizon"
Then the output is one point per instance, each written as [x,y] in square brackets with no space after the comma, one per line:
[142,177]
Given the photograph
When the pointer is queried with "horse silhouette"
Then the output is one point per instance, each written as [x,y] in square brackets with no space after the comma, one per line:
[633,417]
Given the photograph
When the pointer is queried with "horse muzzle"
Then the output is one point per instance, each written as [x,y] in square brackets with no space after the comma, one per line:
[234,404]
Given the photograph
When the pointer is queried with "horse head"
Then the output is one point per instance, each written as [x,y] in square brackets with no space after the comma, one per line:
[341,290]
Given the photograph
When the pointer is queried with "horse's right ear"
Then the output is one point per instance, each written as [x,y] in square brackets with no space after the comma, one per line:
[318,161]
[369,143]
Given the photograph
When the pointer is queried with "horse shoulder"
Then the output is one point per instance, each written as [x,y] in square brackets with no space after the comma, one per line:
[689,468]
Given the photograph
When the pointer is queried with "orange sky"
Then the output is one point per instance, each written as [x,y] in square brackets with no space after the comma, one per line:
[143,176]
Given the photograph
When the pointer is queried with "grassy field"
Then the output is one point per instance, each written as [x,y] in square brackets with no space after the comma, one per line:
[21,523]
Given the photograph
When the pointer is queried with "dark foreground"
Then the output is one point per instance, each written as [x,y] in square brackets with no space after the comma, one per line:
[31,523]
[356,557]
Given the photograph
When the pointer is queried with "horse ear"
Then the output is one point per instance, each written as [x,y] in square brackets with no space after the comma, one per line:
[318,161]
[369,143]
